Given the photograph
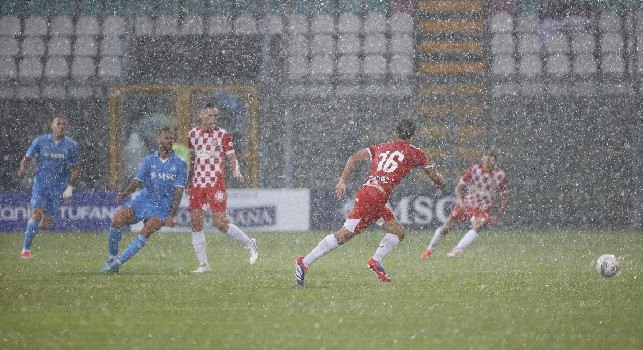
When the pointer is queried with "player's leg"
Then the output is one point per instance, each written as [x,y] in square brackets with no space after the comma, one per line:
[152,224]
[33,226]
[478,221]
[123,217]
[220,221]
[197,218]
[441,231]
[395,234]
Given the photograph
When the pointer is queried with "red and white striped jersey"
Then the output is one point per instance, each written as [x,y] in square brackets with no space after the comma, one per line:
[483,186]
[210,149]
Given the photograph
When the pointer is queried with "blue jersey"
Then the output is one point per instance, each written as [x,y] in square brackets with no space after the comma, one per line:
[160,177]
[55,161]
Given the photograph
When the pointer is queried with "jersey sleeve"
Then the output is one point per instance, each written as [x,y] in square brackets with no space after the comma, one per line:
[422,160]
[75,155]
[143,170]
[504,184]
[228,145]
[34,149]
[466,178]
[182,175]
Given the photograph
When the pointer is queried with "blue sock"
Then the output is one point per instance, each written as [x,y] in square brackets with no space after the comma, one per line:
[30,233]
[133,248]
[113,239]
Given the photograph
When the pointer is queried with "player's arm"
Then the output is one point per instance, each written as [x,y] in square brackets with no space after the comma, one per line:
[236,168]
[188,186]
[438,180]
[458,193]
[24,165]
[359,156]
[501,209]
[131,188]
[176,200]
[73,177]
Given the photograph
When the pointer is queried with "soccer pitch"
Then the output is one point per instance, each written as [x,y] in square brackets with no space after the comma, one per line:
[517,289]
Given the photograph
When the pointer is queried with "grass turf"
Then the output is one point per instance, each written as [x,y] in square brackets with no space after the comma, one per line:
[536,290]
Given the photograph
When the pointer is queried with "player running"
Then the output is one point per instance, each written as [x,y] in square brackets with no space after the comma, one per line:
[163,175]
[58,170]
[485,182]
[390,162]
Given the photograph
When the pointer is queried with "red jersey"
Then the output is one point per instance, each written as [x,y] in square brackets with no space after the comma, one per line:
[483,186]
[391,161]
[210,149]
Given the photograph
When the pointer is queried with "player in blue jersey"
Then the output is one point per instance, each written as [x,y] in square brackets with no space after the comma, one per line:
[58,170]
[163,175]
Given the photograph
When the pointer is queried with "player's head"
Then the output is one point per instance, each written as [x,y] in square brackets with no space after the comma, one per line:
[209,114]
[488,158]
[59,125]
[165,138]
[405,129]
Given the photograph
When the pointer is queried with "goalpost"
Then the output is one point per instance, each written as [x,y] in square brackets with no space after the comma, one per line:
[135,110]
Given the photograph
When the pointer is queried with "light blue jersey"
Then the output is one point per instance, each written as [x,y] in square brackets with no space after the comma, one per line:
[52,176]
[160,178]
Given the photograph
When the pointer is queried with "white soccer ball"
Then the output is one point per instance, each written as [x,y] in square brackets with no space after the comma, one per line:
[607,265]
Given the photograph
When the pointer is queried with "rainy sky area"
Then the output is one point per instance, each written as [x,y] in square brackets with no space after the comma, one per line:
[554,86]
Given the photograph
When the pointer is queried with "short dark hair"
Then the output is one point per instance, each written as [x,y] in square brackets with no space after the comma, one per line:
[209,105]
[489,151]
[405,129]
[163,129]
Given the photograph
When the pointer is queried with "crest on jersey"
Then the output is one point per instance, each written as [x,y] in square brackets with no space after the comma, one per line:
[219,196]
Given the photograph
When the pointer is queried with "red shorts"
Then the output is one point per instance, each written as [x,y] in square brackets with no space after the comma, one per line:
[463,215]
[215,197]
[370,205]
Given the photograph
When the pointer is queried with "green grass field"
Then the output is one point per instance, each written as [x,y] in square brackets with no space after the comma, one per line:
[536,290]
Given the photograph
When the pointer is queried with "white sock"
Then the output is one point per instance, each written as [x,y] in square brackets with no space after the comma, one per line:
[436,239]
[198,242]
[235,233]
[468,238]
[386,245]
[325,245]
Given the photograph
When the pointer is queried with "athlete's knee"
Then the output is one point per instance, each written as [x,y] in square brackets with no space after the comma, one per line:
[343,235]
[45,223]
[221,225]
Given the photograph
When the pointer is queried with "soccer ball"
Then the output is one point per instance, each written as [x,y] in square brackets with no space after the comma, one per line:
[607,265]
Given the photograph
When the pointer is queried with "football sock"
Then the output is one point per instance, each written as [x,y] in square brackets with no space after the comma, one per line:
[114,238]
[32,228]
[325,245]
[436,239]
[386,245]
[198,242]
[468,238]
[235,233]
[133,248]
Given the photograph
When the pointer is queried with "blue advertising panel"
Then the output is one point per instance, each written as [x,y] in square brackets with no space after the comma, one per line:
[89,211]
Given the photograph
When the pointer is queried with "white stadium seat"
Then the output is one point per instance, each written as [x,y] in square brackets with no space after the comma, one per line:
[59,46]
[10,25]
[30,68]
[56,68]
[218,25]
[9,46]
[348,43]
[85,46]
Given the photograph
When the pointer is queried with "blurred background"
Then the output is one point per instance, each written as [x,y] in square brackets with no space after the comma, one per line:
[554,86]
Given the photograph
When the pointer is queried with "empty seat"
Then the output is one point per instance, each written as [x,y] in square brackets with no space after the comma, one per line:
[530,66]
[348,43]
[502,44]
[297,67]
[402,44]
[609,22]
[245,25]
[348,66]
[401,65]
[8,68]
[33,46]
[109,68]
[85,46]
[59,46]
[192,25]
[9,25]
[584,64]
[111,46]
[323,23]
[558,64]
[30,68]
[35,25]
[61,25]
[56,68]
[527,23]
[321,66]
[166,25]
[322,44]
[87,25]
[218,25]
[611,43]
[298,24]
[113,26]
[583,43]
[613,64]
[9,46]
[375,43]
[529,44]
[275,24]
[503,65]
[83,67]
[401,22]
[375,23]
[143,25]
[557,42]
[374,66]
[349,23]
[502,22]
[298,45]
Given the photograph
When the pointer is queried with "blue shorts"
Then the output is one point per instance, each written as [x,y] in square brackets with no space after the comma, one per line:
[144,209]
[47,198]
